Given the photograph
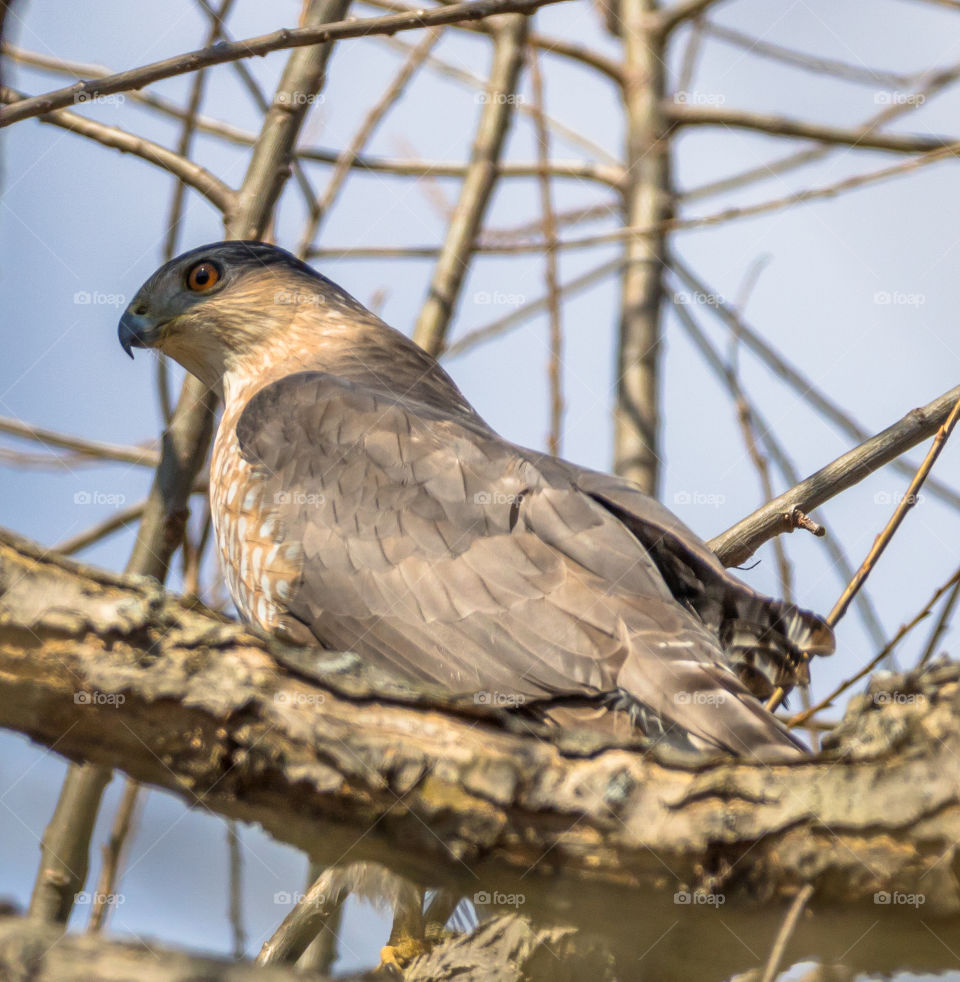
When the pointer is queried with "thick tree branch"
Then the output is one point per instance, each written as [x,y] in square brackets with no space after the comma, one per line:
[330,756]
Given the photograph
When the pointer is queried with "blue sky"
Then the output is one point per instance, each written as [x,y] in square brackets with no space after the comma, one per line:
[78,220]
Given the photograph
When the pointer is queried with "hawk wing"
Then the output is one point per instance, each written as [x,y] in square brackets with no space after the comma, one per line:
[431,546]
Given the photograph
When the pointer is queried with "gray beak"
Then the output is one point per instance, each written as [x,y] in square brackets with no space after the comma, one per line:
[136,331]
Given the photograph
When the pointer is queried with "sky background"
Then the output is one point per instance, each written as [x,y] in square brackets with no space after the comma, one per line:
[77,219]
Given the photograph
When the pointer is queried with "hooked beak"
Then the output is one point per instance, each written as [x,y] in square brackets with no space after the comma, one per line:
[137,331]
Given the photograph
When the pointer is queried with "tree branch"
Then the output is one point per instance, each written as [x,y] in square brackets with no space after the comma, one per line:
[739,542]
[319,748]
[280,40]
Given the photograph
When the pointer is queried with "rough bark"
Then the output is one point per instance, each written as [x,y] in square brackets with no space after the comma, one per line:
[315,747]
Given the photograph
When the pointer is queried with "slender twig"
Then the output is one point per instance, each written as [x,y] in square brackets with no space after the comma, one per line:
[120,520]
[473,82]
[786,371]
[766,434]
[193,175]
[876,77]
[739,542]
[517,317]
[368,125]
[147,456]
[907,502]
[454,260]
[684,114]
[236,891]
[279,40]
[785,933]
[673,16]
[801,718]
[943,622]
[548,44]
[555,370]
[112,853]
[176,204]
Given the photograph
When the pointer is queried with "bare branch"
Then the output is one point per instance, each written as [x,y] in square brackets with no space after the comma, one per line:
[454,259]
[681,11]
[739,542]
[275,41]
[148,456]
[193,175]
[682,114]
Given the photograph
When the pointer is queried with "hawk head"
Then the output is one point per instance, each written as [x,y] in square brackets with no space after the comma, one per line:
[214,305]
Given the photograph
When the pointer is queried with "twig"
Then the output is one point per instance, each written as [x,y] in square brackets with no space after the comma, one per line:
[672,17]
[176,204]
[812,63]
[905,629]
[307,919]
[738,543]
[800,383]
[454,259]
[236,891]
[907,502]
[548,44]
[469,80]
[112,852]
[280,40]
[101,530]
[147,456]
[193,175]
[784,934]
[943,622]
[517,317]
[352,150]
[555,374]
[683,114]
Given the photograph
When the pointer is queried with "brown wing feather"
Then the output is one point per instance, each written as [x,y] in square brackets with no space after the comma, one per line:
[432,546]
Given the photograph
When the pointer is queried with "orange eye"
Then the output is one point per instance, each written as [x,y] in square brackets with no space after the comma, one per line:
[202,277]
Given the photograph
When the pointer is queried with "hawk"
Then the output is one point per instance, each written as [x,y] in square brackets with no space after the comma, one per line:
[361,503]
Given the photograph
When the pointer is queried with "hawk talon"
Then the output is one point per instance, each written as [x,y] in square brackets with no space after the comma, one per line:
[395,956]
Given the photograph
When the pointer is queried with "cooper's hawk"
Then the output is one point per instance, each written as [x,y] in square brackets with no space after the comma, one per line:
[360,502]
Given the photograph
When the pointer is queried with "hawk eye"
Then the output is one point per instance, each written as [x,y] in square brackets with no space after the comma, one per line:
[202,277]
